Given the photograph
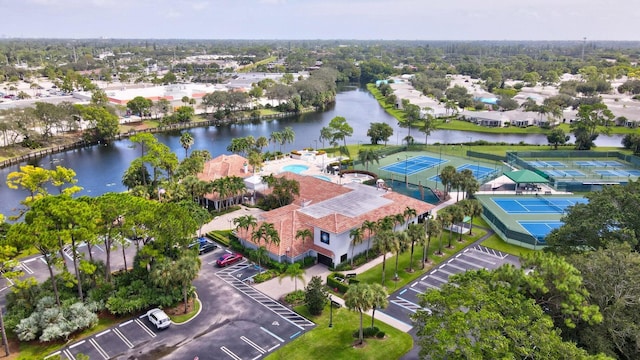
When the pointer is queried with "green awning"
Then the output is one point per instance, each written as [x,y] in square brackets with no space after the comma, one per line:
[525,176]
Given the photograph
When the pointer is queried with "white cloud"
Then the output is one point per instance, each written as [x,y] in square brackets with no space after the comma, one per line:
[199,5]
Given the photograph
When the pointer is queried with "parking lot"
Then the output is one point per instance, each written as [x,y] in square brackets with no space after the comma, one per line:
[236,322]
[405,302]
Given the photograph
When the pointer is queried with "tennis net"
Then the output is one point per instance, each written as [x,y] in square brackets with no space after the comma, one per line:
[552,205]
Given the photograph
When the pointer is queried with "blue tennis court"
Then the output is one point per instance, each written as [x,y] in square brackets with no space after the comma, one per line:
[479,172]
[546,164]
[565,173]
[413,165]
[540,229]
[598,163]
[537,205]
[630,172]
[608,173]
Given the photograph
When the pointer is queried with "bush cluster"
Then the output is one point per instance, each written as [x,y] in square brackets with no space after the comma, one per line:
[369,332]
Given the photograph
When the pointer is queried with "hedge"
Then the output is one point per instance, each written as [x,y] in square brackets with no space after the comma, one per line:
[336,284]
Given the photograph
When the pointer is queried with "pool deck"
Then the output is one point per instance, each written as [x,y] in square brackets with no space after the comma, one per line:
[316,166]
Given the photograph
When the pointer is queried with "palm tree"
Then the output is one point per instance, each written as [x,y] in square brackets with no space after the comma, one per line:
[186,269]
[379,299]
[402,239]
[304,235]
[457,217]
[276,138]
[384,243]
[432,228]
[262,142]
[356,238]
[370,226]
[417,233]
[472,208]
[186,140]
[359,298]
[262,254]
[294,272]
[446,178]
[325,135]
[368,156]
[398,219]
[245,222]
[445,220]
[288,135]
[409,213]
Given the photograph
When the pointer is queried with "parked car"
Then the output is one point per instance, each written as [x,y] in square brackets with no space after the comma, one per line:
[159,318]
[228,259]
[204,246]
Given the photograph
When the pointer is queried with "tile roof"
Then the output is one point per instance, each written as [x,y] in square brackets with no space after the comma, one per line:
[223,166]
[288,219]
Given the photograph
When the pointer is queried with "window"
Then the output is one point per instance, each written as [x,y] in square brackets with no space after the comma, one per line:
[324,237]
[343,258]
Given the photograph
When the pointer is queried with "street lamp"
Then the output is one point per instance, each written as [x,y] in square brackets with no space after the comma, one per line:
[330,312]
[316,141]
[469,143]
[406,175]
[230,221]
[426,230]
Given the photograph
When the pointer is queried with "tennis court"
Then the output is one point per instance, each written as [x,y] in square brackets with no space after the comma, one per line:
[546,164]
[412,165]
[540,229]
[598,163]
[537,205]
[618,173]
[479,172]
[565,173]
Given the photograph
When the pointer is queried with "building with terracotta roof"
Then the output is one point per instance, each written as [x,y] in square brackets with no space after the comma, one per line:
[221,167]
[330,211]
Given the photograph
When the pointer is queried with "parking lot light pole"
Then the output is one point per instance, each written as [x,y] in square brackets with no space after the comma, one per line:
[330,312]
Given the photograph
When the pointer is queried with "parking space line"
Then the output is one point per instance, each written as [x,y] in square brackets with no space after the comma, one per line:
[480,259]
[257,357]
[100,349]
[231,354]
[252,344]
[145,328]
[77,344]
[53,354]
[272,334]
[104,332]
[471,264]
[125,323]
[69,354]
[439,278]
[273,347]
[123,338]
[26,268]
[458,267]
[429,285]
[294,335]
[446,272]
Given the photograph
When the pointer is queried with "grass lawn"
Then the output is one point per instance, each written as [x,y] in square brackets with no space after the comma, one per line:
[374,275]
[496,243]
[178,319]
[336,343]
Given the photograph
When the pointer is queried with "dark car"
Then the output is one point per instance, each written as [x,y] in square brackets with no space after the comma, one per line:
[228,259]
[206,247]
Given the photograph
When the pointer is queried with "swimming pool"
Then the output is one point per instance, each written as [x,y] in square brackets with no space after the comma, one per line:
[296,169]
[322,177]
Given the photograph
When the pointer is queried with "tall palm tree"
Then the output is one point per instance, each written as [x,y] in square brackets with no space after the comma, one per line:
[446,178]
[295,273]
[444,217]
[356,238]
[416,233]
[288,135]
[304,235]
[457,217]
[186,269]
[262,254]
[186,141]
[472,208]
[402,239]
[245,222]
[360,298]
[398,219]
[370,226]
[384,243]
[409,213]
[368,156]
[432,228]
[380,301]
[275,138]
[428,125]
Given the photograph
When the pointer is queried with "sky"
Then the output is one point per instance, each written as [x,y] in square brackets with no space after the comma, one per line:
[322,19]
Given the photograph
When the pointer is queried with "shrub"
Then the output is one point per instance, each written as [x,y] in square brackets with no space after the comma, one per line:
[334,283]
[264,276]
[315,296]
[367,332]
[295,298]
[380,335]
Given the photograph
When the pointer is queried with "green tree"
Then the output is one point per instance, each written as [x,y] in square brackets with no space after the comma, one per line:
[402,239]
[295,273]
[427,127]
[356,238]
[385,242]
[340,130]
[508,323]
[557,137]
[186,141]
[379,299]
[432,228]
[316,296]
[410,116]
[379,132]
[139,105]
[370,227]
[368,156]
[446,178]
[103,124]
[592,119]
[168,273]
[359,298]
[417,234]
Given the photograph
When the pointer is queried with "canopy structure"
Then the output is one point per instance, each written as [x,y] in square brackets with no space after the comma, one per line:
[499,181]
[525,176]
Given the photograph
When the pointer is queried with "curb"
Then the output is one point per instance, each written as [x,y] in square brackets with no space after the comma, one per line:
[194,316]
